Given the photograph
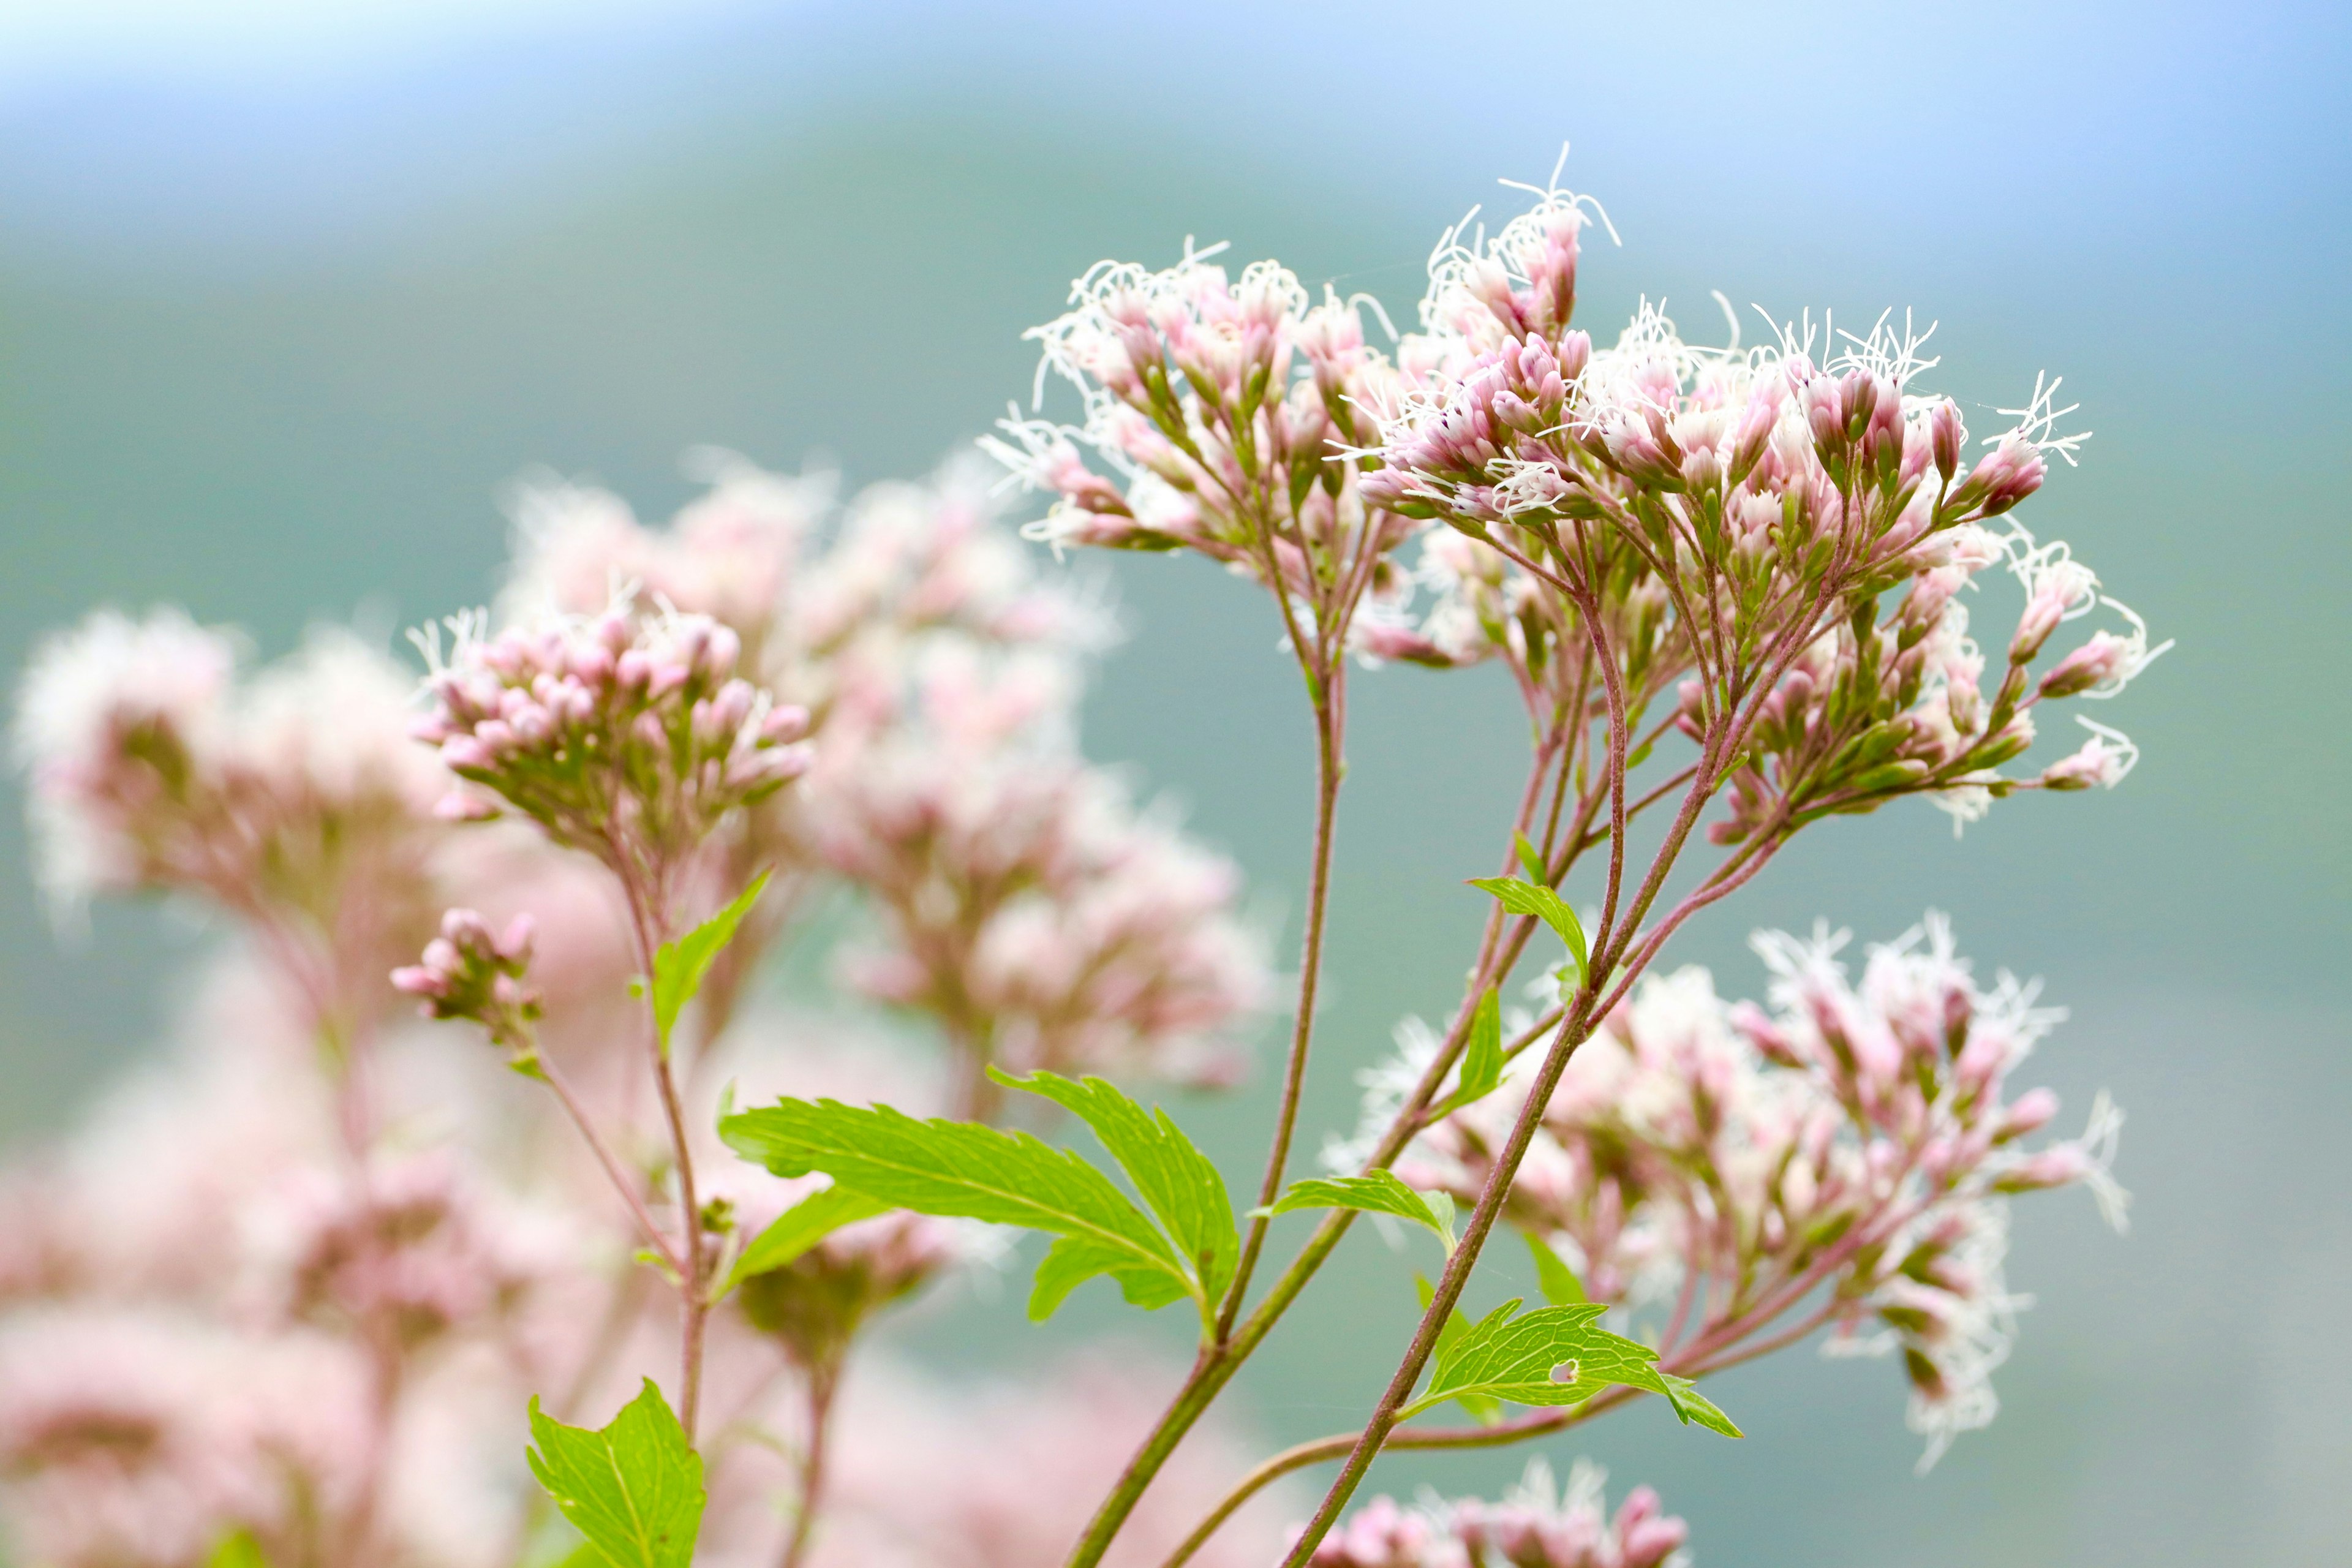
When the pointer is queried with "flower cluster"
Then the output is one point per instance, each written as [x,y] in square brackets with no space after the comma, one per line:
[1027,905]
[1842,1156]
[1534,1526]
[470,972]
[1727,522]
[295,800]
[138,1438]
[1228,416]
[628,735]
[405,1256]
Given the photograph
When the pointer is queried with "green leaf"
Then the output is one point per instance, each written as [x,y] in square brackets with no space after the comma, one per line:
[1378,1192]
[1557,1281]
[1535,899]
[1168,1169]
[679,967]
[1529,861]
[633,1490]
[1071,1261]
[237,1549]
[955,1169]
[1482,1060]
[1514,1356]
[1484,1408]
[1691,1405]
[800,1228]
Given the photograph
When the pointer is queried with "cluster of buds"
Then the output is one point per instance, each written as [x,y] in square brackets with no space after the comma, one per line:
[293,800]
[1534,1526]
[629,736]
[1729,522]
[815,1305]
[473,973]
[1227,415]
[1846,1153]
[826,600]
[1029,906]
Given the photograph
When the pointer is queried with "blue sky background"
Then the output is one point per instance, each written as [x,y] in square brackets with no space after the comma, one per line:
[288,291]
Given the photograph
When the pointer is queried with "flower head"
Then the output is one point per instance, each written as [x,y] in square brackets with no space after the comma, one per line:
[629,736]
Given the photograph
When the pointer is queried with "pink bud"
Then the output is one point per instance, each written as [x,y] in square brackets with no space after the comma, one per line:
[515,944]
[2028,1113]
[464,751]
[459,806]
[785,723]
[416,980]
[1947,434]
[2100,659]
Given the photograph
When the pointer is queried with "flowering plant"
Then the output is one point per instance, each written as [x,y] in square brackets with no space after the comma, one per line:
[1730,587]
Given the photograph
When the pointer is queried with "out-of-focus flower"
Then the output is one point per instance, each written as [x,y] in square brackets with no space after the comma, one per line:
[402,1254]
[815,1305]
[297,803]
[1534,1526]
[136,1440]
[471,972]
[1028,906]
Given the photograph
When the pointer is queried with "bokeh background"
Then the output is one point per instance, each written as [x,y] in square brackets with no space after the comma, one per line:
[289,291]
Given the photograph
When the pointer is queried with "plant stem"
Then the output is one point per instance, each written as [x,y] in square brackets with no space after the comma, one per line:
[1573,1029]
[823,1382]
[546,1073]
[693,1297]
[1327,764]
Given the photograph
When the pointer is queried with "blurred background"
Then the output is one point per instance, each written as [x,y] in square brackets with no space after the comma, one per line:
[288,291]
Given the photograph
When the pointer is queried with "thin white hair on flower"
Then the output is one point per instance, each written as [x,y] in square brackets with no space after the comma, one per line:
[1460,270]
[468,629]
[1884,351]
[2100,1139]
[2037,422]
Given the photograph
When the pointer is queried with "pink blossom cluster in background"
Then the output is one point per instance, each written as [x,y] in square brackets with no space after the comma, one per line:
[299,1277]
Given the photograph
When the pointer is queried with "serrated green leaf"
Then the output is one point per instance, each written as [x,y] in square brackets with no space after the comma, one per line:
[680,966]
[800,1228]
[1071,1261]
[633,1488]
[1168,1169]
[1511,1355]
[1529,861]
[1690,1405]
[1378,1192]
[1482,1059]
[960,1170]
[1554,1278]
[1535,899]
